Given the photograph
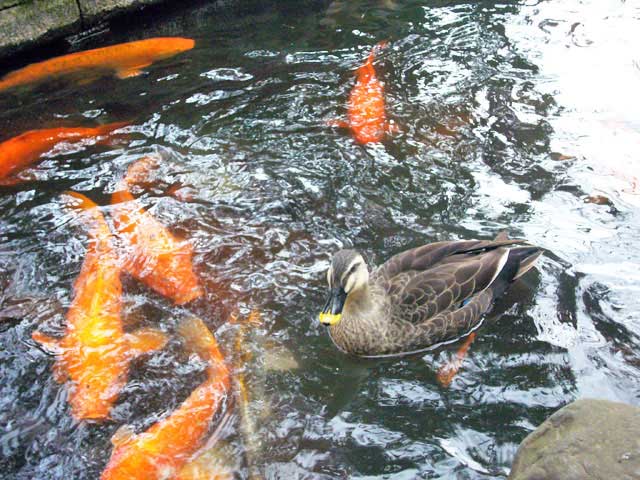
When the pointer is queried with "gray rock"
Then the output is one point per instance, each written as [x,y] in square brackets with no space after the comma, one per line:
[586,440]
[94,11]
[25,23]
[28,23]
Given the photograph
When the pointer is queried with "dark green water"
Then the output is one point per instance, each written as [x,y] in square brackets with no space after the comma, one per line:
[514,116]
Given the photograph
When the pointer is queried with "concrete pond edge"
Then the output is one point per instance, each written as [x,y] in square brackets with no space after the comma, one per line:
[26,24]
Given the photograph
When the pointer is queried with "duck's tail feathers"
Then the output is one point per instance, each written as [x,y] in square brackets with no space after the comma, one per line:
[528,263]
[519,262]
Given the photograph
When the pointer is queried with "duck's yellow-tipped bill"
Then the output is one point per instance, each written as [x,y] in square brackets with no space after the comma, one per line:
[332,311]
[329,319]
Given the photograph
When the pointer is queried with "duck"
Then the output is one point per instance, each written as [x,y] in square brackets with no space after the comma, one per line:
[420,298]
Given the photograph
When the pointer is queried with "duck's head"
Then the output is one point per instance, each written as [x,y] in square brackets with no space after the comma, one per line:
[347,275]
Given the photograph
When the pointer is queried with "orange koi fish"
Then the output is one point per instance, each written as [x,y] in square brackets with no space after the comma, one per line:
[125,60]
[162,450]
[20,152]
[95,352]
[366,116]
[153,254]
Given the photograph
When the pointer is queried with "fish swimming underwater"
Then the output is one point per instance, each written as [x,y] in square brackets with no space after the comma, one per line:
[248,428]
[125,60]
[366,117]
[152,254]
[146,174]
[161,451]
[95,352]
[22,151]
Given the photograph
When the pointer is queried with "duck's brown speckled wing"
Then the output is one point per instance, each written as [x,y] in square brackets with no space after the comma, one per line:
[426,256]
[436,279]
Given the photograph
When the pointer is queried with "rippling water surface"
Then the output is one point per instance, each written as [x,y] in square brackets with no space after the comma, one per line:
[516,116]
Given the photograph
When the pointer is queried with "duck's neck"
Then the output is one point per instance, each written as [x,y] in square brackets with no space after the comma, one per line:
[351,333]
[359,302]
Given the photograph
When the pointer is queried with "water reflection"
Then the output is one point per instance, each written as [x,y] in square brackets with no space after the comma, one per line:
[512,115]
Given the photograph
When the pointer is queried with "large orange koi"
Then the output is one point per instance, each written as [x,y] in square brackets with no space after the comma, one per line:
[95,352]
[152,254]
[366,116]
[162,450]
[125,60]
[20,152]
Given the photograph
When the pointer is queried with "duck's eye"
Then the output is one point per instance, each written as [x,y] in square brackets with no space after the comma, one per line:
[353,268]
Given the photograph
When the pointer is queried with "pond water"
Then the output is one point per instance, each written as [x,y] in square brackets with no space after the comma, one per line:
[517,116]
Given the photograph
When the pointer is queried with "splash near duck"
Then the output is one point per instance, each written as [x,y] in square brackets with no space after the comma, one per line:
[366,117]
[124,60]
[19,153]
[95,352]
[152,254]
[167,446]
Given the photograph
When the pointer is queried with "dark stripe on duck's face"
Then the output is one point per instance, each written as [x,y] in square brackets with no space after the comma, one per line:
[332,310]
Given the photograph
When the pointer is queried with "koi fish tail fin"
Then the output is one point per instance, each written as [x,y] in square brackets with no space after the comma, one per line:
[200,340]
[122,194]
[367,69]
[91,215]
[79,201]
[377,47]
[110,127]
[146,340]
[106,136]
